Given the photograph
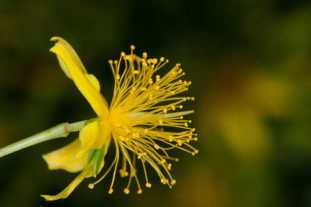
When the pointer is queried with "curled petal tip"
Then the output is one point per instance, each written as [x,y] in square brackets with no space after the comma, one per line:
[55,39]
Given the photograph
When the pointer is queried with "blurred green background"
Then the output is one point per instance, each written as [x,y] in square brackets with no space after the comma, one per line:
[249,62]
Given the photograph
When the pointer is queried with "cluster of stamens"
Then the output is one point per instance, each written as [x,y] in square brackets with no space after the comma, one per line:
[147,119]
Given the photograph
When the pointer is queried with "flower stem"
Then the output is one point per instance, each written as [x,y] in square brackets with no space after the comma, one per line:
[59,131]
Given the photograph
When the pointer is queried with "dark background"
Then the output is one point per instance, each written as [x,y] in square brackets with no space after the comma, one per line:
[249,62]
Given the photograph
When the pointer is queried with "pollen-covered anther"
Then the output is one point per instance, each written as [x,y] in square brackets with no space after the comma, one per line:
[148,185]
[126,190]
[169,166]
[157,147]
[91,186]
[123,173]
[158,78]
[132,47]
[145,55]
[139,191]
[164,181]
[173,182]
[195,152]
[110,191]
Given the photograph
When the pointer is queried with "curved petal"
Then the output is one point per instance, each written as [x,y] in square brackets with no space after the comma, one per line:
[74,69]
[70,188]
[91,137]
[88,137]
[66,158]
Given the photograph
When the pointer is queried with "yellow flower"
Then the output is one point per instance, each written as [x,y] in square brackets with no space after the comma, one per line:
[140,121]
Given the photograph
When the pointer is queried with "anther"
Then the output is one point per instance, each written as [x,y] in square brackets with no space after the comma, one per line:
[162,161]
[195,152]
[91,186]
[163,181]
[158,77]
[169,166]
[110,191]
[148,185]
[126,190]
[139,191]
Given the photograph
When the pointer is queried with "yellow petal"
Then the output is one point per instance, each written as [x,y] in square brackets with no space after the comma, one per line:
[66,158]
[94,81]
[74,69]
[70,188]
[90,138]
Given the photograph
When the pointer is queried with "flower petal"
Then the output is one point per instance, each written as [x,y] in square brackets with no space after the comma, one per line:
[70,188]
[66,158]
[74,69]
[90,138]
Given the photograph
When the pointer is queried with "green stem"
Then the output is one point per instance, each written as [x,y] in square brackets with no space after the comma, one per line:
[59,131]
